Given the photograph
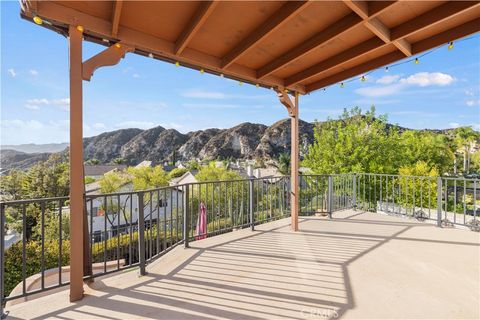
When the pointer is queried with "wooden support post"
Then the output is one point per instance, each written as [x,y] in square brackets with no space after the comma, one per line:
[292,107]
[76,166]
[294,120]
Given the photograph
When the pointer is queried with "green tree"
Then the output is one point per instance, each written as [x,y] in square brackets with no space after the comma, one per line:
[112,181]
[177,172]
[212,173]
[356,142]
[284,163]
[465,140]
[148,177]
[12,185]
[430,148]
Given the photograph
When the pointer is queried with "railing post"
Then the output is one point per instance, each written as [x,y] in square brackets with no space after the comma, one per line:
[186,214]
[141,234]
[250,208]
[330,195]
[439,201]
[354,191]
[2,256]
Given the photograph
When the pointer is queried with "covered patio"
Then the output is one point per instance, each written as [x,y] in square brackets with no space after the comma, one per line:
[357,265]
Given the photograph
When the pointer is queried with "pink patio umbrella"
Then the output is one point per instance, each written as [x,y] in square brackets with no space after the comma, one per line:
[201,230]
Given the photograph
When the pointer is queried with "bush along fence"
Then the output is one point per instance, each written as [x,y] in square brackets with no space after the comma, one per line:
[130,229]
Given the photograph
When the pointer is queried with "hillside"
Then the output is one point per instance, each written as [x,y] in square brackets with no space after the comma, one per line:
[244,141]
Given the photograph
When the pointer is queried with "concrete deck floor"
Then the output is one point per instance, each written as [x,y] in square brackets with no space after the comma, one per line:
[357,266]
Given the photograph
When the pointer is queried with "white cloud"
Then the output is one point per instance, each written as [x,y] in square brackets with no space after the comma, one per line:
[391,85]
[211,106]
[469,93]
[99,125]
[34,104]
[12,72]
[136,75]
[135,124]
[34,72]
[32,107]
[379,91]
[472,102]
[424,79]
[454,124]
[206,94]
[195,93]
[388,79]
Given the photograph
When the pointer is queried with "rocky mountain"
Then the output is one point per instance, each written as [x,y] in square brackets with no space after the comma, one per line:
[15,159]
[244,141]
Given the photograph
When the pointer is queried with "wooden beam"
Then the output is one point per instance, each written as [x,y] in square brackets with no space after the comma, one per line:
[116,13]
[201,15]
[458,32]
[364,67]
[277,19]
[434,16]
[148,43]
[76,166]
[323,37]
[404,46]
[342,57]
[377,27]
[359,7]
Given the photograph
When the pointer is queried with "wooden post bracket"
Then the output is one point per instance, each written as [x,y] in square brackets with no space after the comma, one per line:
[108,57]
[286,101]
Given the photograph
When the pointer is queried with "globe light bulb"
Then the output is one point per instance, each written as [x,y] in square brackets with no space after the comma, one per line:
[80,28]
[177,64]
[363,79]
[37,20]
[118,45]
[342,85]
[202,71]
[416,61]
[450,45]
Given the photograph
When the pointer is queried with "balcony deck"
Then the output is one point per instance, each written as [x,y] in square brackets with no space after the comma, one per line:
[356,265]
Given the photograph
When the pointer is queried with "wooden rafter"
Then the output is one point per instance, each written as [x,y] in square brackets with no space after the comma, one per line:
[364,67]
[432,17]
[277,19]
[331,32]
[362,8]
[108,57]
[196,22]
[149,43]
[447,36]
[420,46]
[342,57]
[116,13]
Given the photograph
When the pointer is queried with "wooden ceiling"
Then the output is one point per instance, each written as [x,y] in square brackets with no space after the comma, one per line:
[299,45]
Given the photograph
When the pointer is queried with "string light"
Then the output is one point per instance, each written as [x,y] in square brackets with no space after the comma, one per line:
[150,55]
[202,71]
[257,85]
[240,83]
[37,20]
[80,28]
[105,40]
[363,79]
[386,69]
[221,75]
[118,45]
[177,64]
[416,61]
[450,45]
[342,85]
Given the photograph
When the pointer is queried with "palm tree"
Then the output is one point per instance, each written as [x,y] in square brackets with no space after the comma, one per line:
[284,163]
[465,140]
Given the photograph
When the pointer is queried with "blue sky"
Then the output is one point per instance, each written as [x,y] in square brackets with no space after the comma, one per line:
[441,91]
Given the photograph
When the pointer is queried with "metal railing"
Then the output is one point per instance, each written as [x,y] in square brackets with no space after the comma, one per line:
[447,200]
[130,229]
[127,229]
[316,190]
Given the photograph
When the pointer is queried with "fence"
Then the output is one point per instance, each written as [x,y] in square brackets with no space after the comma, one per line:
[127,229]
[130,229]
